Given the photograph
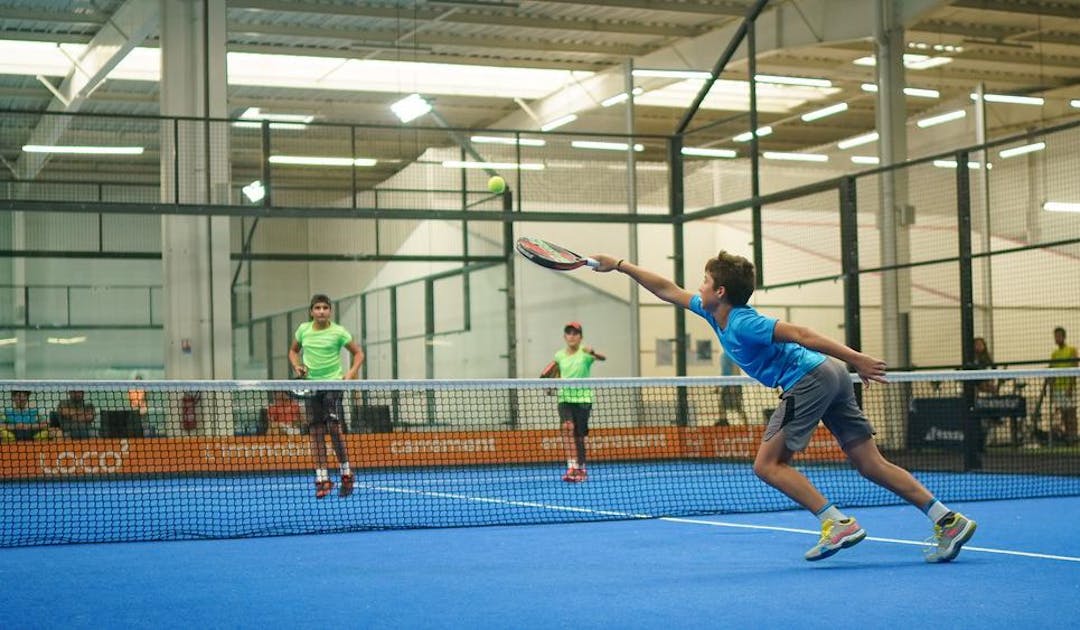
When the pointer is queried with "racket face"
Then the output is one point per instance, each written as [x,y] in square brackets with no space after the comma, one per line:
[548,254]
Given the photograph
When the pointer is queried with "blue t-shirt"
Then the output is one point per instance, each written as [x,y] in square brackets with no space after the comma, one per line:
[748,340]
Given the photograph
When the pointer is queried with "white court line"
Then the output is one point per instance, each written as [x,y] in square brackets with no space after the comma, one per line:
[692,521]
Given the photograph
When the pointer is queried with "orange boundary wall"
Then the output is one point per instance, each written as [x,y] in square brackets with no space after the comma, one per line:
[200,455]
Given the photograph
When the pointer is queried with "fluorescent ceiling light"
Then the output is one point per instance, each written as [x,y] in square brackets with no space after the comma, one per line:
[1027,148]
[865,159]
[254,191]
[65,341]
[908,91]
[734,96]
[746,136]
[605,146]
[825,111]
[558,122]
[795,157]
[1075,103]
[914,62]
[782,80]
[410,108]
[943,118]
[866,138]
[619,98]
[1061,206]
[299,160]
[495,166]
[952,164]
[672,74]
[280,121]
[1009,98]
[524,142]
[9,341]
[704,152]
[48,148]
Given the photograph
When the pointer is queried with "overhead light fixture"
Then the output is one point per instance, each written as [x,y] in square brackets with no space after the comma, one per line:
[300,160]
[953,164]
[746,136]
[1061,206]
[1075,103]
[495,166]
[558,122]
[908,91]
[1027,148]
[672,74]
[704,152]
[279,121]
[866,138]
[912,61]
[9,341]
[940,119]
[522,142]
[824,112]
[410,108]
[782,80]
[65,341]
[605,146]
[1009,98]
[85,150]
[619,98]
[795,157]
[254,191]
[865,159]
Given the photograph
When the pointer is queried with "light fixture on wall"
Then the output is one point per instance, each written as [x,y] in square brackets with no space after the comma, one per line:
[410,108]
[706,152]
[65,341]
[865,159]
[305,160]
[941,119]
[856,141]
[255,192]
[1009,98]
[795,157]
[1027,148]
[253,117]
[746,136]
[952,164]
[605,146]
[1061,206]
[824,112]
[908,91]
[511,140]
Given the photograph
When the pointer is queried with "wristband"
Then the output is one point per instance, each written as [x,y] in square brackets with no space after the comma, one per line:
[618,265]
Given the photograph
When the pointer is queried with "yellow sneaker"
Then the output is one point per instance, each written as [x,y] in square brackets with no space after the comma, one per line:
[949,536]
[836,535]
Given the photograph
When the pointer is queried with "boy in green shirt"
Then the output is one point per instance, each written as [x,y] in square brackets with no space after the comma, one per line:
[320,340]
[575,403]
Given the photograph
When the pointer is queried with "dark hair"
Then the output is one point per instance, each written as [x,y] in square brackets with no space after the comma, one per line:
[1059,329]
[735,274]
[320,298]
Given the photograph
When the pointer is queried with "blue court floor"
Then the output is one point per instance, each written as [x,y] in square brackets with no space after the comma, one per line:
[1022,570]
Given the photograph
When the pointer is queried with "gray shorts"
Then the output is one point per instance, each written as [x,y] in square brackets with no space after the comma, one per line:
[825,394]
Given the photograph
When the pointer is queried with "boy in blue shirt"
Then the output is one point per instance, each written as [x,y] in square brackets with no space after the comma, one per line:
[779,354]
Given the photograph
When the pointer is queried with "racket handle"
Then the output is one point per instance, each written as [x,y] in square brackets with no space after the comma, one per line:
[592,263]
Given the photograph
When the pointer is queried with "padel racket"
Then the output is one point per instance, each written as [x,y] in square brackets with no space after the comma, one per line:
[551,371]
[550,255]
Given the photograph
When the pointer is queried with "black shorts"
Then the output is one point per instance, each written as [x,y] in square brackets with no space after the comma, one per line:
[578,413]
[324,407]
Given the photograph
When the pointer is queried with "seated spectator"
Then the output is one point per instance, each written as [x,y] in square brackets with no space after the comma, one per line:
[74,417]
[283,414]
[21,421]
[983,361]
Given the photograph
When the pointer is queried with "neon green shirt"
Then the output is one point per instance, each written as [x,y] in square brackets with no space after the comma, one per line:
[322,350]
[576,365]
[1063,357]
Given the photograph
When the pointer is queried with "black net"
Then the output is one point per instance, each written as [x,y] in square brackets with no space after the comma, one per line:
[126,461]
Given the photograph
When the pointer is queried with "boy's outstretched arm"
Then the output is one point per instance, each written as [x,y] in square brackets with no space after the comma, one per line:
[658,285]
[868,367]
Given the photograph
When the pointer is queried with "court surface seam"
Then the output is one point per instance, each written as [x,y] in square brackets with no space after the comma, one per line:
[692,521]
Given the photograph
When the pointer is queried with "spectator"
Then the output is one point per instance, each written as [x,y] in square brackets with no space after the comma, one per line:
[1062,388]
[283,415]
[75,417]
[21,421]
[983,361]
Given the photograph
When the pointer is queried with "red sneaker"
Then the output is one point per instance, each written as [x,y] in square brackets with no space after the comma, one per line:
[570,476]
[347,482]
[323,488]
[581,475]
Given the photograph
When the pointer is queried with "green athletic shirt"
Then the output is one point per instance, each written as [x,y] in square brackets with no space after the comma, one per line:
[1063,357]
[577,365]
[321,350]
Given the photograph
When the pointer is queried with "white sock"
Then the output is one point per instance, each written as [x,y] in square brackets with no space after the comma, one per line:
[345,470]
[828,512]
[571,463]
[321,475]
[935,510]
